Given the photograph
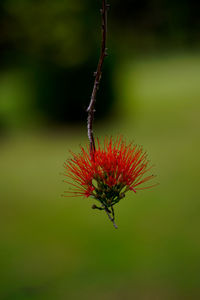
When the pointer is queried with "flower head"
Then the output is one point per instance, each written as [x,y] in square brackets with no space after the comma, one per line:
[109,172]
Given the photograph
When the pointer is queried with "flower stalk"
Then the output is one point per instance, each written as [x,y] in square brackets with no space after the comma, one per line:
[97,74]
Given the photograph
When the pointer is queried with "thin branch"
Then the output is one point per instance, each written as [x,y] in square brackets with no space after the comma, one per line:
[103,207]
[90,108]
[113,212]
[97,75]
[109,216]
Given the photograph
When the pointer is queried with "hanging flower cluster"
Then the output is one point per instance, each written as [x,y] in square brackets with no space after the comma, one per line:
[109,172]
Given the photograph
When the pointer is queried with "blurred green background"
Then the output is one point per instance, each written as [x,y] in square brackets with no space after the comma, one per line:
[59,248]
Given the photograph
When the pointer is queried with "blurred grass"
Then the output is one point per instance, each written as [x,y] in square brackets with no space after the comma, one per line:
[58,248]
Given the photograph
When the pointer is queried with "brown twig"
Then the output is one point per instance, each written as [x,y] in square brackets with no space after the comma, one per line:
[97,75]
[90,108]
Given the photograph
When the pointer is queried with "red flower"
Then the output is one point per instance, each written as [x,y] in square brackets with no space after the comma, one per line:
[109,172]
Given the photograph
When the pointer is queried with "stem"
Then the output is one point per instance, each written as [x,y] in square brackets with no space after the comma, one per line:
[90,108]
[103,207]
[113,212]
[111,219]
[97,75]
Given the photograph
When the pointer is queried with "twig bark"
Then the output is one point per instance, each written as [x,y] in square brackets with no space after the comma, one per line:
[90,108]
[97,75]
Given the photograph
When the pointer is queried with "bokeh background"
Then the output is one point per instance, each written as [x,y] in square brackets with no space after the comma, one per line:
[59,248]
